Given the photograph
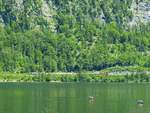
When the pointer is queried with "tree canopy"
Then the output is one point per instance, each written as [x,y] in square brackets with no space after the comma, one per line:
[86,35]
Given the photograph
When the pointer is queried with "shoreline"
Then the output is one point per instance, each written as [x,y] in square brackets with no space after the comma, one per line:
[74,78]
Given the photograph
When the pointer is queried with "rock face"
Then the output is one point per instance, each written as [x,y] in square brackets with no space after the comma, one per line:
[36,13]
[141,12]
[29,14]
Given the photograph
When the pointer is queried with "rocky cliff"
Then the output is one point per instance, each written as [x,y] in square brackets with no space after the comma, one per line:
[27,13]
[141,12]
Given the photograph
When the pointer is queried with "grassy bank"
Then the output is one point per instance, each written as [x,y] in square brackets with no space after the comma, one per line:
[78,77]
[125,68]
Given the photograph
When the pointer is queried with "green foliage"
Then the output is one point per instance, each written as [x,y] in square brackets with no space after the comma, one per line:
[126,68]
[80,77]
[80,41]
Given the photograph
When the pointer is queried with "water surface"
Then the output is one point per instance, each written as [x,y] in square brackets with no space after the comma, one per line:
[73,98]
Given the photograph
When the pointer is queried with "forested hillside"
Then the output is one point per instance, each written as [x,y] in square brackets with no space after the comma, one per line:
[72,35]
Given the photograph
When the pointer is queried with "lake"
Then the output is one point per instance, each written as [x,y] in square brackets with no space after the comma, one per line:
[73,98]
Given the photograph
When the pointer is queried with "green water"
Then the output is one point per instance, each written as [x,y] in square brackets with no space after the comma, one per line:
[73,98]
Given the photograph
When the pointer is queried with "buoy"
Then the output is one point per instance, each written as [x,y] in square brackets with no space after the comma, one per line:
[140,102]
[91,97]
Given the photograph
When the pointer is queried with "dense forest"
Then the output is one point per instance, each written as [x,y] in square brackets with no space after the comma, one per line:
[70,35]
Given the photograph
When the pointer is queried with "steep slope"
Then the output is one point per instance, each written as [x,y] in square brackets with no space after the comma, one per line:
[27,14]
[141,12]
[72,35]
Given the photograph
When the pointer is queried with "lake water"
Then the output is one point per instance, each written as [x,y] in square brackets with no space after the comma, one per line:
[73,98]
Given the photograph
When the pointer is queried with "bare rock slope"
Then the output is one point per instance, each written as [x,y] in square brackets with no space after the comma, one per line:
[141,12]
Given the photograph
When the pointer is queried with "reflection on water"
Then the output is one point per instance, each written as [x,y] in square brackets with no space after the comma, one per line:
[73,98]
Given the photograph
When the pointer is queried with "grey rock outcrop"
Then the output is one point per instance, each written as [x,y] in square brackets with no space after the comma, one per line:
[141,12]
[31,11]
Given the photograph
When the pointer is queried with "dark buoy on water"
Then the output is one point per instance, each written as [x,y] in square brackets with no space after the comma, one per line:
[140,102]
